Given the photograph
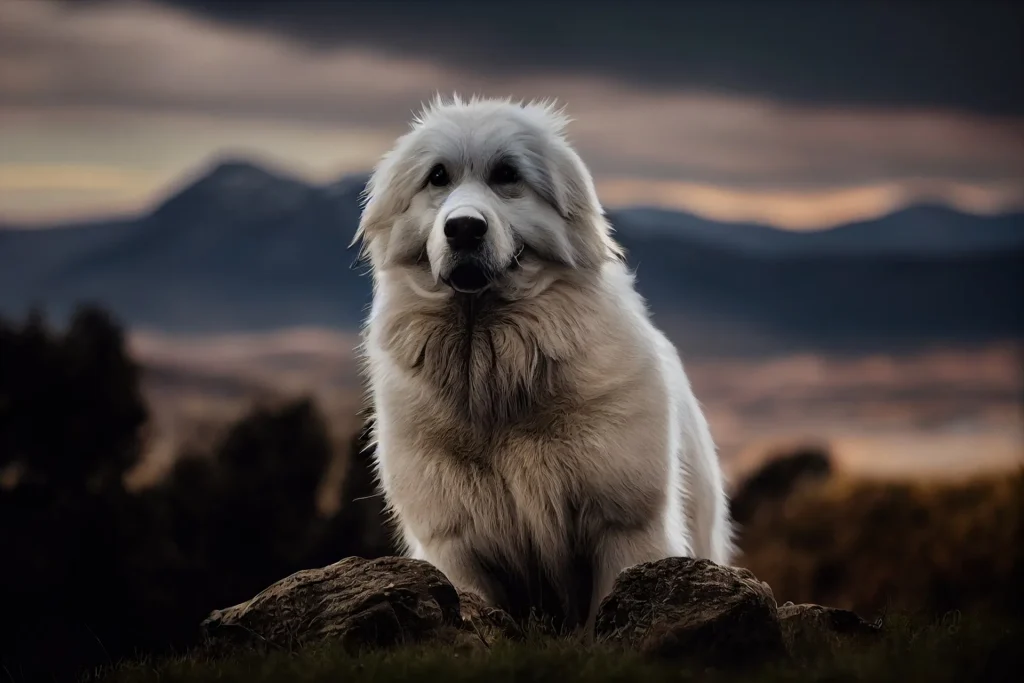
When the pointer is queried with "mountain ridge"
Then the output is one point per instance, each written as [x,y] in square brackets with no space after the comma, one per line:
[243,247]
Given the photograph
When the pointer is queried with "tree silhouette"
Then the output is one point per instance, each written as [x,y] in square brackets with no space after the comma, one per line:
[361,526]
[96,573]
[70,420]
[260,503]
[71,411]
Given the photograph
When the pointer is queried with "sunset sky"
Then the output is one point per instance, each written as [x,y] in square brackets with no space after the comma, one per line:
[797,114]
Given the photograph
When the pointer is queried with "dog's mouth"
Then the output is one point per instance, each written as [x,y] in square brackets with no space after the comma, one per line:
[469,278]
[474,277]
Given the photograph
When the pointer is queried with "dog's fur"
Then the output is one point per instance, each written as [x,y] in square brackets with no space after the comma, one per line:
[535,438]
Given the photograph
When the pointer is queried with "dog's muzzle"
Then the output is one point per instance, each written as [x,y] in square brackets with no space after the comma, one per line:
[465,235]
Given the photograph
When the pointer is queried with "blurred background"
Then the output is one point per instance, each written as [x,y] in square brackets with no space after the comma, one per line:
[824,203]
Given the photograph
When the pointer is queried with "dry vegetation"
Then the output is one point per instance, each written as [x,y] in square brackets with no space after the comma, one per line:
[871,545]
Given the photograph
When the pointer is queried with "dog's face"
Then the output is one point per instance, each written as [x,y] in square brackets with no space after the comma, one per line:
[483,195]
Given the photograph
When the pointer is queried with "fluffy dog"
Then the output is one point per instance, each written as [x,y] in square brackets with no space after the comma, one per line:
[535,433]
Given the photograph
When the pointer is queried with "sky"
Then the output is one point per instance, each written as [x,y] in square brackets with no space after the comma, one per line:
[797,114]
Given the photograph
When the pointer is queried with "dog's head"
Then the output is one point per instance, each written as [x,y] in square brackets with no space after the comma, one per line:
[483,194]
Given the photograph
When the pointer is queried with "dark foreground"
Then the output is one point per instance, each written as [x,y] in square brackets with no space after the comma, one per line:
[94,574]
[956,648]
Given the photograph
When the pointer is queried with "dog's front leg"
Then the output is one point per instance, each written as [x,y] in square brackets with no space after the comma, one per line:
[456,561]
[617,550]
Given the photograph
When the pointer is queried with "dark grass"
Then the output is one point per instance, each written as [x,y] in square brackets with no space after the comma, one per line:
[955,649]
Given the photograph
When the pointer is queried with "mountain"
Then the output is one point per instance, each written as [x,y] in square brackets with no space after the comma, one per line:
[914,231]
[243,247]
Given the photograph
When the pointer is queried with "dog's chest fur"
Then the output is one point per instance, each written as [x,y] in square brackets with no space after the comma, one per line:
[496,409]
[485,364]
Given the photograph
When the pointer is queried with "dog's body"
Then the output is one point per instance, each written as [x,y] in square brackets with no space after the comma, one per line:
[535,433]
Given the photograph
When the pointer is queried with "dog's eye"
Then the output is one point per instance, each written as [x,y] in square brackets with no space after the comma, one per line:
[438,176]
[504,174]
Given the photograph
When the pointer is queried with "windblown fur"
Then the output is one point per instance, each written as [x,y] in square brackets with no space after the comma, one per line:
[539,435]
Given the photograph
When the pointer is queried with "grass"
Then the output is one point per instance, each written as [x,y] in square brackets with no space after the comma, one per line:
[953,649]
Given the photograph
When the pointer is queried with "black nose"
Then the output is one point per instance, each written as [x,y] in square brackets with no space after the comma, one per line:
[465,232]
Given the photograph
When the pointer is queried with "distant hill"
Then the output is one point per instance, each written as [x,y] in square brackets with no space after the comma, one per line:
[915,231]
[245,248]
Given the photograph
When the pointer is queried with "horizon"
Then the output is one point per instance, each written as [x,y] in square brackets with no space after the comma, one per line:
[281,171]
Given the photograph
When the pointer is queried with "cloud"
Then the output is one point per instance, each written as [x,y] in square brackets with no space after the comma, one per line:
[137,55]
[160,89]
[67,190]
[926,54]
[31,177]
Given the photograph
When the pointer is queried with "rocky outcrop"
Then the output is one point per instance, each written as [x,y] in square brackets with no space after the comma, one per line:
[358,603]
[692,609]
[812,629]
[677,608]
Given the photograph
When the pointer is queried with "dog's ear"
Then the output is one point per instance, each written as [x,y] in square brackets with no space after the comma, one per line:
[569,188]
[575,198]
[387,195]
[574,193]
[379,205]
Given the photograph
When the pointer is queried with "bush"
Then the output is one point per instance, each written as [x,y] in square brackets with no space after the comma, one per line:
[870,545]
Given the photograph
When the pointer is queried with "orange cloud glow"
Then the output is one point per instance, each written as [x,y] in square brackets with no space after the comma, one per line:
[104,110]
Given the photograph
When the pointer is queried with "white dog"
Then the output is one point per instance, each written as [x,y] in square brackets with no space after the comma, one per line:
[535,433]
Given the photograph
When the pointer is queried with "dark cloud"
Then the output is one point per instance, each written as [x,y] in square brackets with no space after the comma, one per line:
[115,82]
[965,55]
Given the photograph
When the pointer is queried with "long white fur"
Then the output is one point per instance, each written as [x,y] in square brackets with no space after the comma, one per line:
[549,416]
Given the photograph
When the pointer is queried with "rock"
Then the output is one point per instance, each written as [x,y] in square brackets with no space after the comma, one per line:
[676,608]
[357,602]
[683,608]
[813,629]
